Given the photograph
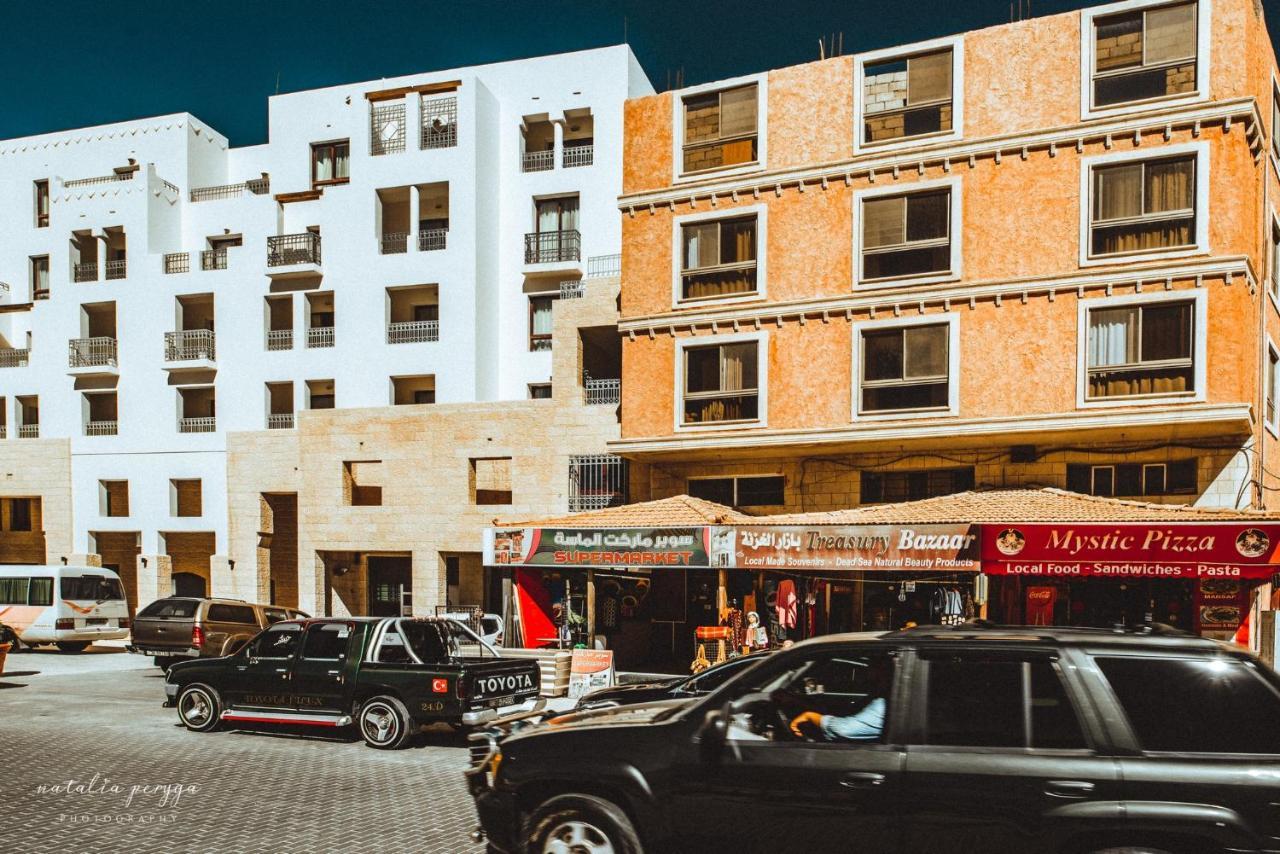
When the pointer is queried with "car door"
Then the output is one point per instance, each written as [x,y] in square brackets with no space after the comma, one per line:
[766,789]
[1001,754]
[318,673]
[259,678]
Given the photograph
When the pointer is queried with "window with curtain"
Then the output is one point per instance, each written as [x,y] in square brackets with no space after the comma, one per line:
[42,203]
[40,276]
[1143,206]
[720,128]
[1275,122]
[904,369]
[559,214]
[1144,55]
[721,383]
[540,321]
[718,258]
[330,163]
[907,97]
[1141,350]
[906,235]
[1273,365]
[13,591]
[1275,260]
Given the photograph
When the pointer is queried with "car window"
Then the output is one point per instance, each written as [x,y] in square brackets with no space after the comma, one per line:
[90,588]
[41,592]
[274,615]
[392,649]
[13,591]
[976,701]
[219,613]
[327,641]
[171,608]
[276,642]
[1196,705]
[705,683]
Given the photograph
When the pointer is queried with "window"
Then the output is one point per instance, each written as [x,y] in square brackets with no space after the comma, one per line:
[541,321]
[1177,477]
[878,487]
[1180,705]
[41,592]
[13,591]
[718,258]
[491,480]
[40,277]
[756,491]
[1273,364]
[1144,55]
[185,497]
[277,642]
[177,609]
[908,234]
[907,96]
[556,215]
[905,368]
[452,580]
[274,615]
[330,163]
[720,129]
[539,391]
[1143,206]
[90,588]
[360,483]
[999,702]
[42,203]
[327,641]
[1275,121]
[19,514]
[386,127]
[1274,284]
[114,495]
[721,383]
[240,614]
[1141,350]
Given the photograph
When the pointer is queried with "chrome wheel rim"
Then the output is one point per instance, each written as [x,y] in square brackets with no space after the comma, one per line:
[196,708]
[577,837]
[378,723]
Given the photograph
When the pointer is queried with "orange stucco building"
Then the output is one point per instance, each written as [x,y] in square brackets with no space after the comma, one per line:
[1035,254]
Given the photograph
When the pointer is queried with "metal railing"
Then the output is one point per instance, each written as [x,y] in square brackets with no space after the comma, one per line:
[578,155]
[538,161]
[282,421]
[14,357]
[597,481]
[177,262]
[574,289]
[409,331]
[258,187]
[439,122]
[186,344]
[381,116]
[197,425]
[604,266]
[320,336]
[40,293]
[285,249]
[117,269]
[28,431]
[541,247]
[279,339]
[395,243]
[171,187]
[91,352]
[101,428]
[430,239]
[85,272]
[100,179]
[213,259]
[602,392]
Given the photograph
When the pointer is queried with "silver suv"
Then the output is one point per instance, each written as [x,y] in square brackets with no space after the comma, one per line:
[180,627]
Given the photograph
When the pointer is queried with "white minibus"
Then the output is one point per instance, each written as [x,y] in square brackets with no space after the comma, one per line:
[68,606]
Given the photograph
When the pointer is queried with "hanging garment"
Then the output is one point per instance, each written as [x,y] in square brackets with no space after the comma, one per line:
[937,604]
[735,622]
[969,612]
[786,603]
[954,607]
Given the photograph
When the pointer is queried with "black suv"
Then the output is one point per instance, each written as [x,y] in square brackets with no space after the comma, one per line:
[964,739]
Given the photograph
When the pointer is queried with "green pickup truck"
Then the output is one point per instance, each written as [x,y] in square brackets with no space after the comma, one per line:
[388,676]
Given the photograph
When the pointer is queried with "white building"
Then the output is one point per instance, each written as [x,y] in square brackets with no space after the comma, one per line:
[387,246]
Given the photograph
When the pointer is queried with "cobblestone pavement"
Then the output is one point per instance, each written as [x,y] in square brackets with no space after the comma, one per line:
[125,758]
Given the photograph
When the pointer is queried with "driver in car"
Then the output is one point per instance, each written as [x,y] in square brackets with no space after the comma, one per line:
[866,724]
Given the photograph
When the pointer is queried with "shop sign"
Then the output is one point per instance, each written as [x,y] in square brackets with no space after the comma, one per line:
[947,548]
[589,669]
[1129,550]
[585,547]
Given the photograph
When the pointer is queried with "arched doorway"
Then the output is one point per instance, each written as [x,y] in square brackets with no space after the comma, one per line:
[188,584]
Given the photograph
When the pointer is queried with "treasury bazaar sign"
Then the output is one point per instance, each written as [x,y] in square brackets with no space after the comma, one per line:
[945,548]
[656,547]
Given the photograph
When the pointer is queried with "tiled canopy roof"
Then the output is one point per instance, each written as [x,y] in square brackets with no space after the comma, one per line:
[682,511]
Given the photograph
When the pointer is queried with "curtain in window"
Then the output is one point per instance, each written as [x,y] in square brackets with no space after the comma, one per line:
[701,245]
[542,315]
[1119,192]
[41,271]
[926,352]
[324,164]
[1113,337]
[13,591]
[710,245]
[1170,33]
[929,77]
[1169,186]
[342,164]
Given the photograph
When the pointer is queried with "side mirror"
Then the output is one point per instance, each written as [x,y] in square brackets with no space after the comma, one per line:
[714,730]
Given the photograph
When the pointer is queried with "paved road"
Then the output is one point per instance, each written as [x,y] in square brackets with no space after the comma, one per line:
[90,761]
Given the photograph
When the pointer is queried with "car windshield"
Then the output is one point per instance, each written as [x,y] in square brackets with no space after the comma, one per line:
[173,608]
[90,588]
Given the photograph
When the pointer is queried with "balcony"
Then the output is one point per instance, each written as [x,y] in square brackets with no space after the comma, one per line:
[604,266]
[597,481]
[282,421]
[395,243]
[412,331]
[189,349]
[279,339]
[85,272]
[257,187]
[552,247]
[320,336]
[602,392]
[92,356]
[578,155]
[293,255]
[213,259]
[28,431]
[177,262]
[197,425]
[126,175]
[538,161]
[101,428]
[116,269]
[573,289]
[14,357]
[431,239]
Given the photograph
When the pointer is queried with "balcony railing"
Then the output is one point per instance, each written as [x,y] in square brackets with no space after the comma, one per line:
[101,428]
[597,481]
[85,272]
[286,249]
[574,289]
[538,161]
[91,352]
[430,239]
[604,392]
[320,336]
[439,122]
[117,269]
[100,179]
[541,247]
[395,243]
[187,344]
[604,266]
[197,425]
[578,155]
[177,262]
[282,421]
[14,357]
[409,331]
[258,187]
[213,259]
[40,293]
[279,339]
[28,431]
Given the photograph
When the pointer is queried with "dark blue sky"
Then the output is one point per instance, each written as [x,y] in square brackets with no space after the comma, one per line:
[110,61]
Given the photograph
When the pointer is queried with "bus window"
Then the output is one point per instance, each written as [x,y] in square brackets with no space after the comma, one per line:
[41,592]
[13,591]
[90,588]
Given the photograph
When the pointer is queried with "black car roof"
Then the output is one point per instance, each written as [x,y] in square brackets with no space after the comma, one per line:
[1148,635]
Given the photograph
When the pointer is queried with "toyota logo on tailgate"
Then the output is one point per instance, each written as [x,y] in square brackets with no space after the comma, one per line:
[513,682]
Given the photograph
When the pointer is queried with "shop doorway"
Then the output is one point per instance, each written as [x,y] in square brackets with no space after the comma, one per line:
[390,586]
[189,584]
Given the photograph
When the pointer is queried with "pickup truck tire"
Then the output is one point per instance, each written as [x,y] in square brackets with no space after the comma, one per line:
[384,723]
[199,708]
[72,646]
[581,824]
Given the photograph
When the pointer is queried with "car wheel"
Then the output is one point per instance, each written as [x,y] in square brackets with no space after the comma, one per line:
[199,708]
[580,824]
[73,646]
[384,723]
